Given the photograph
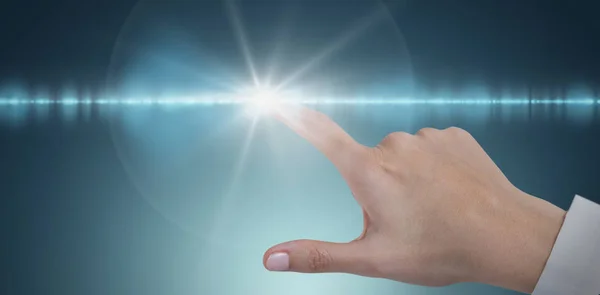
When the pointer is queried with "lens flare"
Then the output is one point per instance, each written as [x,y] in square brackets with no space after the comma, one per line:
[263,101]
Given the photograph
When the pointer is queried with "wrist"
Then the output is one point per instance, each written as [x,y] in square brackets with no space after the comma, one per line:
[524,236]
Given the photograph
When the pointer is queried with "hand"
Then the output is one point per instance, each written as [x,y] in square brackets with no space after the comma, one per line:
[437,211]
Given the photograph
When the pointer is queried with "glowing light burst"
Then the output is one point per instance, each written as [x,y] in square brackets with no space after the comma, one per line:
[262,101]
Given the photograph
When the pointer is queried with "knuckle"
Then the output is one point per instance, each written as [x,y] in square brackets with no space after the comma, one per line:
[427,132]
[395,138]
[318,260]
[338,143]
[457,131]
[380,161]
[377,154]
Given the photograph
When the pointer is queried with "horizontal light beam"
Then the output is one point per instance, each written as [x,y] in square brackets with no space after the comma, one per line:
[323,101]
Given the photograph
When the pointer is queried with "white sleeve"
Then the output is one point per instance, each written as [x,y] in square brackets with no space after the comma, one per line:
[574,264]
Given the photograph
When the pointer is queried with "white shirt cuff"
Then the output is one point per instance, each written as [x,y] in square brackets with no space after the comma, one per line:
[573,267]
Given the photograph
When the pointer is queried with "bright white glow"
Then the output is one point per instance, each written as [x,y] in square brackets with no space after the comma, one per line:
[262,101]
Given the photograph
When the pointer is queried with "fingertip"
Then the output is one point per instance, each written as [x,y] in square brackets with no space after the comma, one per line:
[277,258]
[277,261]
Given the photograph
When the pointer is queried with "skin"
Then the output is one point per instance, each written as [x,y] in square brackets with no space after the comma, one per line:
[437,211]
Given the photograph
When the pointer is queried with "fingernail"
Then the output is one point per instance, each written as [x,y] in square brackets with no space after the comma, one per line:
[278,262]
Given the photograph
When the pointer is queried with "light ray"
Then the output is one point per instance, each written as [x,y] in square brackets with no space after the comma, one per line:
[279,46]
[229,198]
[355,32]
[236,19]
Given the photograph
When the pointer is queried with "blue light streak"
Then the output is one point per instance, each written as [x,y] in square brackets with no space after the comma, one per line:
[316,101]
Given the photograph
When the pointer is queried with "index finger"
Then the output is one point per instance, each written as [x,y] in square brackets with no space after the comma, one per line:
[322,132]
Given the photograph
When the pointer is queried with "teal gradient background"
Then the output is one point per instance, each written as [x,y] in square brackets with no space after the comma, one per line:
[85,228]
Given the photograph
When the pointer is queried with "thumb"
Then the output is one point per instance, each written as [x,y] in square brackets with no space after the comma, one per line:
[307,256]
